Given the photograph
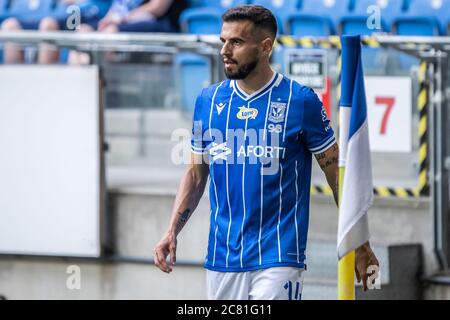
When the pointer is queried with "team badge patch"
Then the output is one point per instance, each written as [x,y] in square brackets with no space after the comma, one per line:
[277,112]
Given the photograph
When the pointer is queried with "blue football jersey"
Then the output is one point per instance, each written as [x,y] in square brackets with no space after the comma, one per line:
[259,148]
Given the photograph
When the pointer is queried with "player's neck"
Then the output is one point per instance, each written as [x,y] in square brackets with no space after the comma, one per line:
[256,80]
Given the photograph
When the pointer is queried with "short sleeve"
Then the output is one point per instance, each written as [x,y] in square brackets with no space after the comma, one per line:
[198,143]
[316,128]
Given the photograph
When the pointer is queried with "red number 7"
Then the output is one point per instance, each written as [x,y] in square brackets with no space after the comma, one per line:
[389,102]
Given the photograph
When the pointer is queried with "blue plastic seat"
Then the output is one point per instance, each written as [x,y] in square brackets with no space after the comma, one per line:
[221,4]
[309,25]
[317,17]
[281,9]
[421,18]
[356,23]
[201,21]
[207,17]
[444,17]
[374,60]
[192,72]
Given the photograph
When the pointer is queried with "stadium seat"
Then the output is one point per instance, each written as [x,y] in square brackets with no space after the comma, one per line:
[281,9]
[206,17]
[444,17]
[374,60]
[221,4]
[192,72]
[421,18]
[356,22]
[315,17]
[443,14]
[201,21]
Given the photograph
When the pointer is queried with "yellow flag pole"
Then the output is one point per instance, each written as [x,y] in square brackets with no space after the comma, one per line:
[346,266]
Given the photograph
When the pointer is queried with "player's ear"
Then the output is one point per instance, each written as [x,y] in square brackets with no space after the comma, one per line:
[267,45]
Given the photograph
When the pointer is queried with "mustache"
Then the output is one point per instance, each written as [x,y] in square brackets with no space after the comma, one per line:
[230,60]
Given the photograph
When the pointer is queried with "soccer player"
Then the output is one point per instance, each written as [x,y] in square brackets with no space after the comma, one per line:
[254,135]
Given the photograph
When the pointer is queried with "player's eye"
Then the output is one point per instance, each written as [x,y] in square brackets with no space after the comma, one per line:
[236,42]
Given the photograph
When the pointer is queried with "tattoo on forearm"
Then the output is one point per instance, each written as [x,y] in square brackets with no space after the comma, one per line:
[328,163]
[327,159]
[185,215]
[323,155]
[320,156]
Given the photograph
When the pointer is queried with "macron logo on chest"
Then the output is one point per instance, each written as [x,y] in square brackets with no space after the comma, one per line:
[220,107]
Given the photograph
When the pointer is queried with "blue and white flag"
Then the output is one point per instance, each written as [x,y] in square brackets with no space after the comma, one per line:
[354,154]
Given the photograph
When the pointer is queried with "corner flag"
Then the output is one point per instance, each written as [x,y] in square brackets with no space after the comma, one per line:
[355,169]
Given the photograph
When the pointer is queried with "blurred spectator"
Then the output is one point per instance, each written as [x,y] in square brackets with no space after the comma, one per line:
[123,15]
[14,54]
[143,16]
[52,20]
[135,16]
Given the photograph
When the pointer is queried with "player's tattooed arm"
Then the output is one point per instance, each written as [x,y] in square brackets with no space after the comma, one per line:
[191,189]
[184,217]
[189,193]
[328,162]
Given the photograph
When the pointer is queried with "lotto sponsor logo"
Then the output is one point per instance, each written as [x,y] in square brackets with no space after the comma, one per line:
[247,113]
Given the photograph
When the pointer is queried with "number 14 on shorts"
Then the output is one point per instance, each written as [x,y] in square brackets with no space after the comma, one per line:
[293,293]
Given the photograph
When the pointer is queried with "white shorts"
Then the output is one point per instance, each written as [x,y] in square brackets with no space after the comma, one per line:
[276,283]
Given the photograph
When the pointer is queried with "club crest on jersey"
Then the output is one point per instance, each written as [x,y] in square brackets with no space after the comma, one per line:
[247,113]
[277,112]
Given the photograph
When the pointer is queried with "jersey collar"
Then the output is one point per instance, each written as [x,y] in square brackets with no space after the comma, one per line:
[257,93]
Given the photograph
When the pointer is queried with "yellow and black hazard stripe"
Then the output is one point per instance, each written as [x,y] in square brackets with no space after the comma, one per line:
[370,42]
[310,42]
[383,192]
[333,42]
[398,192]
[315,189]
[423,188]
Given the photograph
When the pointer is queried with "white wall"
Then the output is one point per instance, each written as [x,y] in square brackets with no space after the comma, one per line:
[49,160]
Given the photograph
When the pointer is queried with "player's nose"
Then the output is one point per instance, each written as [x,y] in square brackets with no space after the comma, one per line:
[225,52]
